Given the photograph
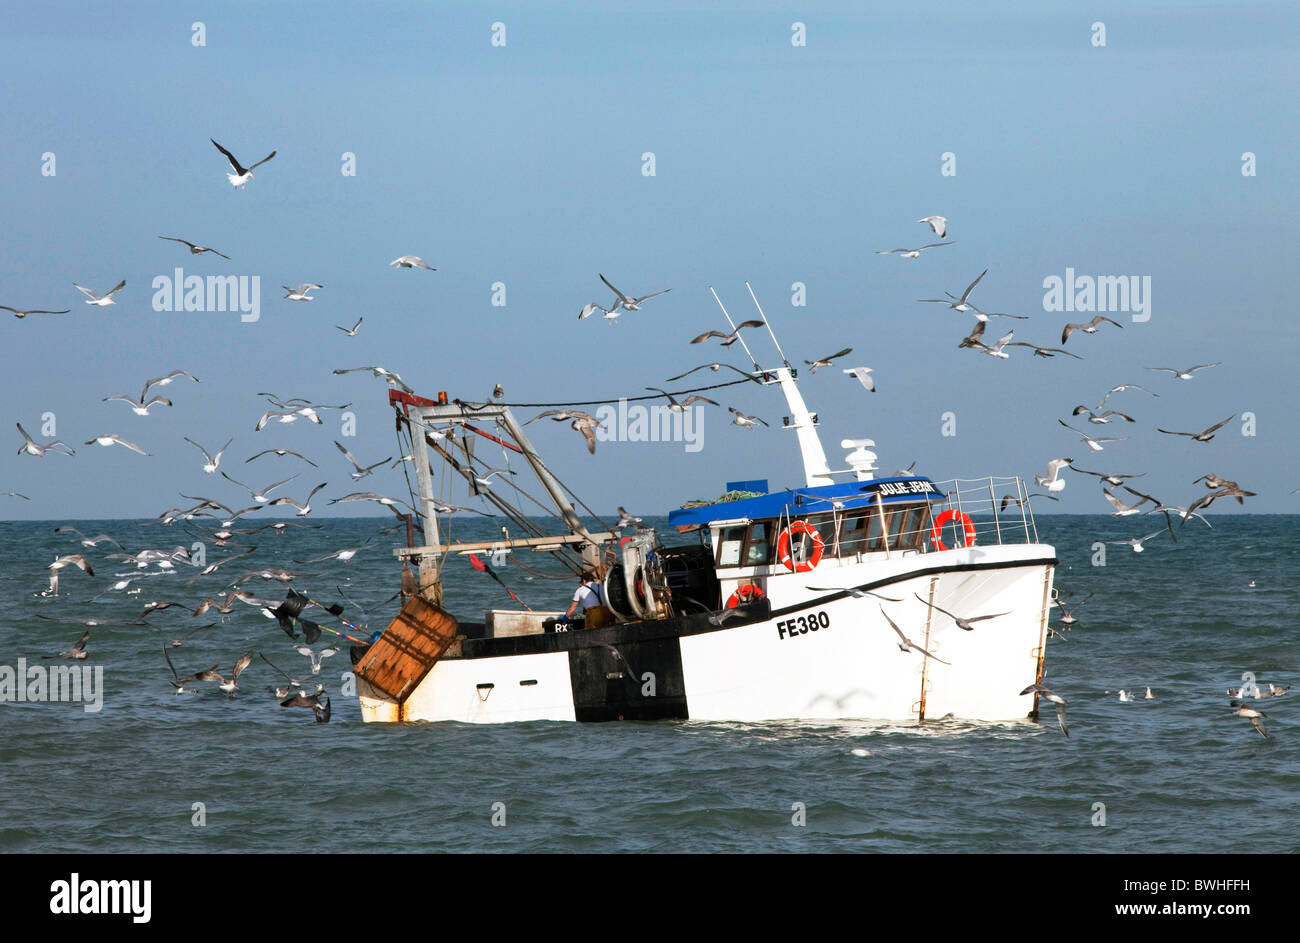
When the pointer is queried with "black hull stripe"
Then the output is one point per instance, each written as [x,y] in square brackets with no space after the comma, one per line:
[632,633]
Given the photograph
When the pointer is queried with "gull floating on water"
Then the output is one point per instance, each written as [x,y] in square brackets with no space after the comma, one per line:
[101,300]
[242,174]
[195,249]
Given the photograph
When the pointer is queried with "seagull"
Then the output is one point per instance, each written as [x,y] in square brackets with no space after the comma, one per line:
[282,453]
[685,404]
[392,378]
[210,464]
[178,682]
[913,253]
[1186,374]
[996,350]
[15,494]
[31,447]
[906,642]
[1137,542]
[72,559]
[1089,328]
[1052,480]
[1205,436]
[1101,419]
[22,314]
[714,367]
[345,555]
[625,519]
[966,624]
[982,316]
[259,496]
[1069,618]
[1056,700]
[937,223]
[301,293]
[853,591]
[322,712]
[166,380]
[588,429]
[826,361]
[412,261]
[1122,509]
[629,304]
[1115,480]
[242,175]
[352,331]
[101,300]
[138,406]
[77,651]
[303,509]
[1120,389]
[962,303]
[1206,500]
[727,339]
[1092,443]
[1243,710]
[1045,351]
[391,503]
[195,249]
[1125,697]
[560,415]
[1148,696]
[315,656]
[227,687]
[485,480]
[1010,498]
[114,439]
[863,376]
[591,308]
[1213,481]
[743,420]
[361,470]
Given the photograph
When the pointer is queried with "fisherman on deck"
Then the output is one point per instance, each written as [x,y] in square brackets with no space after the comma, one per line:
[591,595]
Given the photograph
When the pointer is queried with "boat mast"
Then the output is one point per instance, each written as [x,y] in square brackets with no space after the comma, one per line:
[815,468]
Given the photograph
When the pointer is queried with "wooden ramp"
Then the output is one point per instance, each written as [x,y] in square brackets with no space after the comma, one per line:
[413,642]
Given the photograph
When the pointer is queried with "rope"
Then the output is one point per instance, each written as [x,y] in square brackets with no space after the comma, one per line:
[629,399]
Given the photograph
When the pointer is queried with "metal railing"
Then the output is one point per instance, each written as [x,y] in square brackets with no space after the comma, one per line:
[998,510]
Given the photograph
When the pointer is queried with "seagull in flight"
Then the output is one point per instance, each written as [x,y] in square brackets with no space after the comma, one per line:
[315,656]
[967,624]
[361,470]
[31,447]
[77,651]
[1090,441]
[1205,436]
[412,261]
[166,380]
[259,496]
[938,224]
[853,591]
[1186,374]
[863,376]
[388,375]
[352,331]
[913,253]
[138,406]
[302,292]
[681,407]
[1243,710]
[1056,699]
[303,509]
[727,339]
[962,303]
[231,685]
[1136,542]
[627,303]
[907,644]
[101,300]
[743,420]
[1115,480]
[210,463]
[242,174]
[1089,328]
[826,361]
[1045,351]
[714,367]
[1101,418]
[196,249]
[177,681]
[1052,480]
[20,314]
[114,439]
[281,453]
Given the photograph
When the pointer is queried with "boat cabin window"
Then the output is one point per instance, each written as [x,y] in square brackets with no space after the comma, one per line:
[758,548]
[729,545]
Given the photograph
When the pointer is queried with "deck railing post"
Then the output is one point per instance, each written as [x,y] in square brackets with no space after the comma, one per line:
[997,527]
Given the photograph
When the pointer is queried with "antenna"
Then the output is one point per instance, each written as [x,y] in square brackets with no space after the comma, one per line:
[769,326]
[739,336]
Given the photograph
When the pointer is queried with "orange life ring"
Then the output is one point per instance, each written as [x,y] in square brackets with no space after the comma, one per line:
[968,527]
[783,547]
[745,593]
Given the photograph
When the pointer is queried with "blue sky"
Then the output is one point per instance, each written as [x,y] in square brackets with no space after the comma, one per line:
[774,163]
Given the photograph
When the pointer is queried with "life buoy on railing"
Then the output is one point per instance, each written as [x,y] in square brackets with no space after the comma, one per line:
[952,514]
[783,547]
[745,593]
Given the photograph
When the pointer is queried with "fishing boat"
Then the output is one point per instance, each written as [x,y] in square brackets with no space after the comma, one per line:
[836,600]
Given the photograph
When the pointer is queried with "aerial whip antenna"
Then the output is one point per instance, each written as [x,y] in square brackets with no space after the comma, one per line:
[739,337]
[769,326]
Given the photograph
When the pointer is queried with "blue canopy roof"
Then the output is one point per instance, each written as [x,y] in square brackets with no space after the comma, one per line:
[810,500]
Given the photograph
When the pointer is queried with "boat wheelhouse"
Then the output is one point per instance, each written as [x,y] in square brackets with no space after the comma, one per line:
[836,600]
